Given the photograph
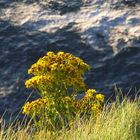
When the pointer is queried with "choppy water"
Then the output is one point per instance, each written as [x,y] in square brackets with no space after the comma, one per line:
[22,45]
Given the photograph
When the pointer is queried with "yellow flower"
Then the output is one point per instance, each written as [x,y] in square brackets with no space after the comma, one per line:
[94,107]
[100,97]
[90,93]
[39,80]
[34,106]
[60,53]
[50,54]
[54,67]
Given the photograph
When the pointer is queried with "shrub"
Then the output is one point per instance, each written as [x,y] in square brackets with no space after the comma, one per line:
[58,78]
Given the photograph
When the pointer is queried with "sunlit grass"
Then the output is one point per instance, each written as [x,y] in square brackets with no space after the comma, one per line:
[118,121]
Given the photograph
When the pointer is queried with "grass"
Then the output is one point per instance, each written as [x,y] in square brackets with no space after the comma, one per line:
[118,121]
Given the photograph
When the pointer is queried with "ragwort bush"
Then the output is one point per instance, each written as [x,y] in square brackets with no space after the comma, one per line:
[59,78]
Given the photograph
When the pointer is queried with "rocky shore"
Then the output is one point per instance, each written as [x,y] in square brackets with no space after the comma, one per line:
[107,38]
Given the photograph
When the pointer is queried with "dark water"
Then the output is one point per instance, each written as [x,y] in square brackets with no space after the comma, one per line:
[20,48]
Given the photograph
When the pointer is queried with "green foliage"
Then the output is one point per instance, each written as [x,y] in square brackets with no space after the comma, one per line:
[59,78]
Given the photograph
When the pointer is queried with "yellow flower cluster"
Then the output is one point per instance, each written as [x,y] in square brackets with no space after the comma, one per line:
[57,69]
[100,97]
[60,62]
[36,81]
[90,93]
[59,78]
[35,106]
[91,102]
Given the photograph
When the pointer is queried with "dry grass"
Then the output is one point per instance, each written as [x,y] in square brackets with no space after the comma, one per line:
[118,121]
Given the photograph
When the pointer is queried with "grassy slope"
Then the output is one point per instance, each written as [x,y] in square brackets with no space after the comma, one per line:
[118,122]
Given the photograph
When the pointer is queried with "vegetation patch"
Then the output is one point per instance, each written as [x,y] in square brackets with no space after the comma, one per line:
[58,78]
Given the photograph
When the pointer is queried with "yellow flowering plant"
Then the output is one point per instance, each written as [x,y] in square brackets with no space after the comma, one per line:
[59,78]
